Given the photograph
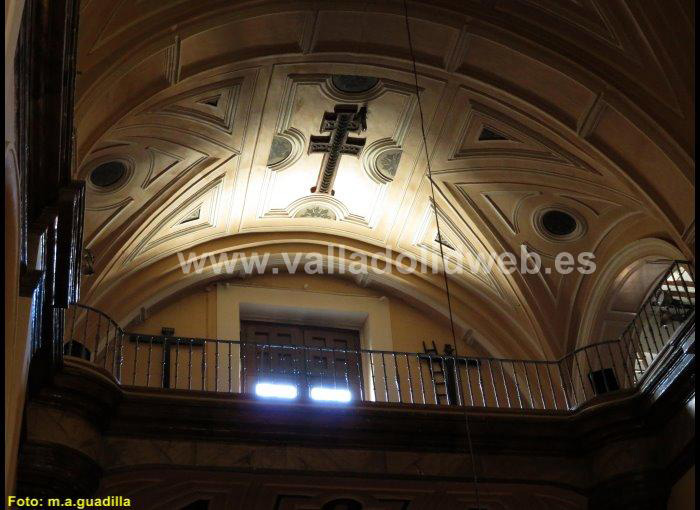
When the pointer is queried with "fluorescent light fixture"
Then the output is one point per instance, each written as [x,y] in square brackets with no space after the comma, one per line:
[273,390]
[330,394]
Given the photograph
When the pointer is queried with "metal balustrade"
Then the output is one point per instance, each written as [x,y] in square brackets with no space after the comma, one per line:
[385,376]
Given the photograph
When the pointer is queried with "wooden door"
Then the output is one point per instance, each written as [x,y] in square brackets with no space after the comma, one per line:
[306,356]
[269,353]
[333,359]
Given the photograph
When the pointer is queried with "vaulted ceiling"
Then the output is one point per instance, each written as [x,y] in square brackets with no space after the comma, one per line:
[584,106]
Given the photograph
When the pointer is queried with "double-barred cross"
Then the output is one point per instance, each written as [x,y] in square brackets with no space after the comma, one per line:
[343,120]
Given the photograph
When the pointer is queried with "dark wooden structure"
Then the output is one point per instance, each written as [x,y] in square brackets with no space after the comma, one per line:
[52,202]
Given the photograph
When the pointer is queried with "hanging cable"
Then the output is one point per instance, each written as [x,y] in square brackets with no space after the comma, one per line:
[442,254]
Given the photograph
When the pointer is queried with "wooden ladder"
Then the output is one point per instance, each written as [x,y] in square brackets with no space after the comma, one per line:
[437,374]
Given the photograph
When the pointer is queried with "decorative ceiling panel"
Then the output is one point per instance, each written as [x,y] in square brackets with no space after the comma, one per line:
[234,119]
[359,185]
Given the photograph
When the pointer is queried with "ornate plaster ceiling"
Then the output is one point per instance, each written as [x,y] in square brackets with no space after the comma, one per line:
[583,106]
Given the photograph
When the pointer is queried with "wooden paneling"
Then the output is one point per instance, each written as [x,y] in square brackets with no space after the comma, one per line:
[325,357]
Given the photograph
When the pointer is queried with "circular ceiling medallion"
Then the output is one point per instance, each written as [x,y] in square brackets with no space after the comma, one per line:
[108,174]
[559,224]
[280,150]
[353,84]
[388,163]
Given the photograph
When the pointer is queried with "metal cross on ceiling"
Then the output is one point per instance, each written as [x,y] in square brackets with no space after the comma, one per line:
[344,119]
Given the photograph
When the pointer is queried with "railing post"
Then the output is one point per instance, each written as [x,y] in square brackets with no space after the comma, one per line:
[136,357]
[177,359]
[243,367]
[527,381]
[517,384]
[358,362]
[651,328]
[345,369]
[121,355]
[106,348]
[410,379]
[148,367]
[481,382]
[189,367]
[216,367]
[469,383]
[374,380]
[432,378]
[97,338]
[117,355]
[204,365]
[570,378]
[163,363]
[505,383]
[386,379]
[493,383]
[551,385]
[539,383]
[397,377]
[420,375]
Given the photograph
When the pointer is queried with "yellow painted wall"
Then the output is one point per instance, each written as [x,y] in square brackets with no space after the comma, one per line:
[311,283]
[411,326]
[194,314]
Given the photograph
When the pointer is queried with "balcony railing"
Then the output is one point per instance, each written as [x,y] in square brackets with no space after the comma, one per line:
[323,373]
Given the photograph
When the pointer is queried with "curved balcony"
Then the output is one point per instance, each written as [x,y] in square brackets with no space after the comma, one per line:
[299,372]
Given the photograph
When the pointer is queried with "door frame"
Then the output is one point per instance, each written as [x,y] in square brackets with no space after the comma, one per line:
[303,327]
[372,315]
